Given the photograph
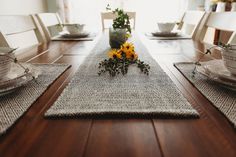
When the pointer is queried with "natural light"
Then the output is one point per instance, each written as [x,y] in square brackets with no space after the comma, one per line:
[147,17]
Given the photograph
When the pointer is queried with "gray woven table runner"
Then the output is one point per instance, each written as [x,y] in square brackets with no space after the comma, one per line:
[14,105]
[222,98]
[134,94]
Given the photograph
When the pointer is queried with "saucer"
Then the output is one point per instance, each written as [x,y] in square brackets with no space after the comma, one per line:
[75,35]
[206,69]
[17,77]
[164,34]
[217,68]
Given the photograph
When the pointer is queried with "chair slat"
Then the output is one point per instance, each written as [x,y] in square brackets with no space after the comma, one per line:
[16,24]
[19,31]
[190,22]
[193,17]
[49,19]
[222,21]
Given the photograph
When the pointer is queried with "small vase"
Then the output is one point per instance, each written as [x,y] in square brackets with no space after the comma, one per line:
[233,6]
[220,7]
[117,37]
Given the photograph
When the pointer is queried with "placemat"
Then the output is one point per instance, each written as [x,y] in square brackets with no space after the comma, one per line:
[178,37]
[132,95]
[88,38]
[222,98]
[14,105]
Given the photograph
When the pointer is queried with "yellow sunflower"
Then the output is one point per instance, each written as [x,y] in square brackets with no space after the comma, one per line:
[134,56]
[114,54]
[127,47]
[131,55]
[128,54]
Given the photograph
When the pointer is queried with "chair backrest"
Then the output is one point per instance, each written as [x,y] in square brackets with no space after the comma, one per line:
[221,21]
[49,23]
[110,16]
[232,39]
[19,31]
[190,22]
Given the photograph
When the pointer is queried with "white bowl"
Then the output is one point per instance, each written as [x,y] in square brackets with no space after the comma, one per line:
[229,58]
[74,28]
[5,60]
[166,27]
[5,68]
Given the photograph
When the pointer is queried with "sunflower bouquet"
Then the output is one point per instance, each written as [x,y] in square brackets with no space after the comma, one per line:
[120,60]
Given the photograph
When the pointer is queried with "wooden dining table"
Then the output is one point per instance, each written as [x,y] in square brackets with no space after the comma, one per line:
[33,135]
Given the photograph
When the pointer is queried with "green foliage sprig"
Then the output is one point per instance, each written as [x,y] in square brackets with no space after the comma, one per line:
[115,66]
[122,21]
[120,60]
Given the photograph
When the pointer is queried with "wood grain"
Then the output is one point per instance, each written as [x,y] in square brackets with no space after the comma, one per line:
[199,137]
[133,138]
[33,135]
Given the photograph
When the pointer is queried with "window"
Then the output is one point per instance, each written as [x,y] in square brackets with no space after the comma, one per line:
[148,12]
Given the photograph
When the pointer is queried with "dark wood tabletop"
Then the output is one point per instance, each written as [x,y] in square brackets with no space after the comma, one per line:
[34,136]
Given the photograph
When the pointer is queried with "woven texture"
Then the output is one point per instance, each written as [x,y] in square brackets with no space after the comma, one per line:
[222,98]
[134,94]
[13,106]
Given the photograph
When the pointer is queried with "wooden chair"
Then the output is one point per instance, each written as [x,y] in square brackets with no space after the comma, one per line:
[50,23]
[110,16]
[19,31]
[232,39]
[220,21]
[190,22]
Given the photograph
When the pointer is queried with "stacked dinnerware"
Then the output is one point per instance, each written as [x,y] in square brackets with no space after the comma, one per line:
[229,58]
[6,58]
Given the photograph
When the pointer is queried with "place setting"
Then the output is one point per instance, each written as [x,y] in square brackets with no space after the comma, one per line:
[215,79]
[166,31]
[21,84]
[217,71]
[12,73]
[222,71]
[74,32]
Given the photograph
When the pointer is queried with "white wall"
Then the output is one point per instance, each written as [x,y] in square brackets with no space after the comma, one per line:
[195,4]
[16,7]
[52,6]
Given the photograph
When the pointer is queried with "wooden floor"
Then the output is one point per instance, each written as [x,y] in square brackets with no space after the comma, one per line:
[34,136]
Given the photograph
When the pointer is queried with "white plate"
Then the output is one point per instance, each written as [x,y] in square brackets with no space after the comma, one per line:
[226,83]
[217,68]
[17,78]
[77,35]
[164,34]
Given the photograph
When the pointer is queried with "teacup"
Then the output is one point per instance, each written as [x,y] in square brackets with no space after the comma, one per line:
[229,58]
[6,57]
[166,27]
[74,28]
